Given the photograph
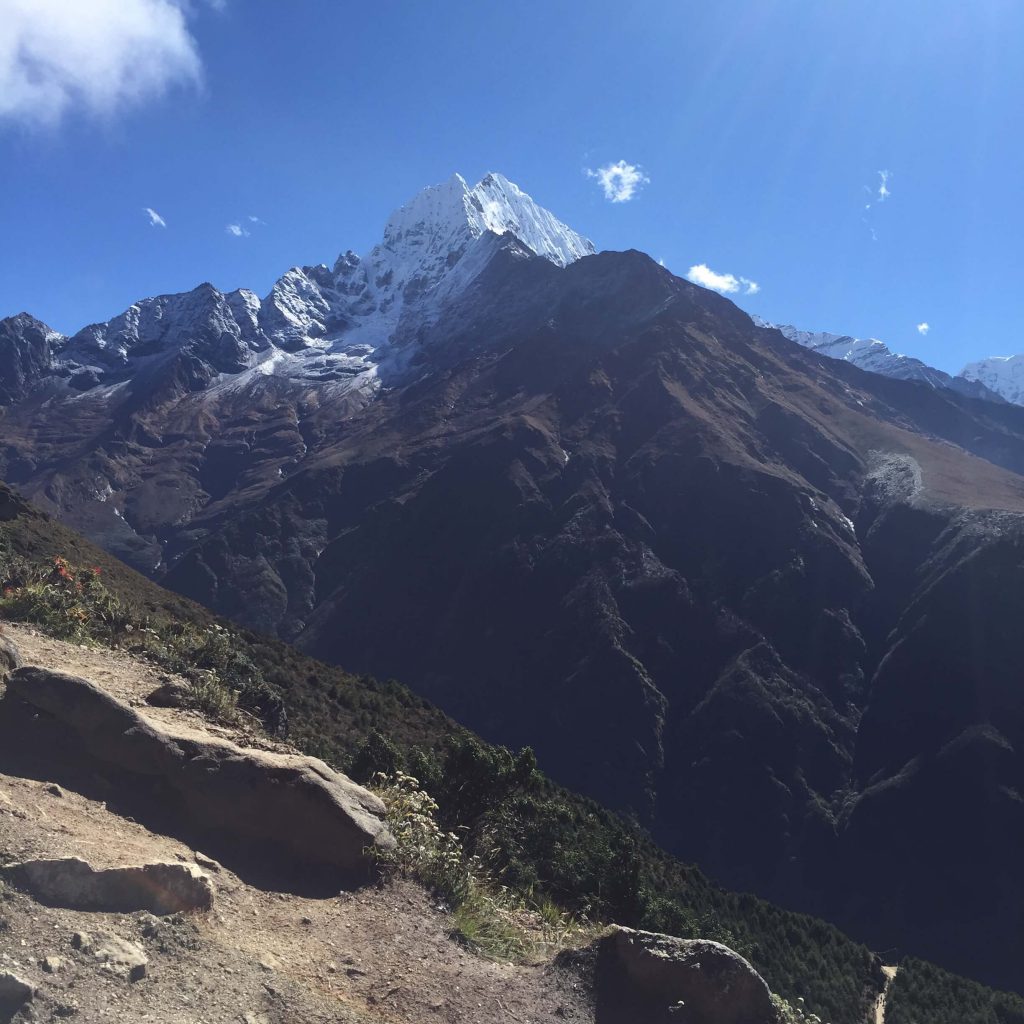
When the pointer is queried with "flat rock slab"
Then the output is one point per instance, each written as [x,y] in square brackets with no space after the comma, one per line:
[646,978]
[160,888]
[317,815]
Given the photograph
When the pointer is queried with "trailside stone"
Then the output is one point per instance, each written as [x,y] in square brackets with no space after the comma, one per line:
[161,888]
[9,657]
[174,693]
[646,978]
[317,815]
[14,991]
[119,955]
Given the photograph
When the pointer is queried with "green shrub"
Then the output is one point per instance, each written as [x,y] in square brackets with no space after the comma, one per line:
[489,917]
[73,603]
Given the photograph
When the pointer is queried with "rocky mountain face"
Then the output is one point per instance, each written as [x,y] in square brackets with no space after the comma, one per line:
[759,598]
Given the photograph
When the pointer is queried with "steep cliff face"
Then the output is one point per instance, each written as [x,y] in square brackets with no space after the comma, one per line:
[27,348]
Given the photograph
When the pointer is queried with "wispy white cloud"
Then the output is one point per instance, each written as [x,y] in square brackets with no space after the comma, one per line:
[252,218]
[155,220]
[237,230]
[620,181]
[924,328]
[881,193]
[97,56]
[727,284]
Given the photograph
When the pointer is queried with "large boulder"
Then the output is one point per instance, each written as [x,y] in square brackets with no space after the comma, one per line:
[316,815]
[14,992]
[645,978]
[160,888]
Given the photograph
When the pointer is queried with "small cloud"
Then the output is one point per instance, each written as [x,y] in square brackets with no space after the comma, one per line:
[924,328]
[727,284]
[237,230]
[155,220]
[620,181]
[253,219]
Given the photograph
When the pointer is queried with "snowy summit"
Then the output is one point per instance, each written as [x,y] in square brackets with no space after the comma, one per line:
[330,324]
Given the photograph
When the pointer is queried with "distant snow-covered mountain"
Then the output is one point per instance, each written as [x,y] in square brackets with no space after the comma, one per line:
[875,356]
[1003,375]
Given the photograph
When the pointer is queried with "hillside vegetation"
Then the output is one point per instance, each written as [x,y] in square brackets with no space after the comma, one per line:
[549,846]
[922,993]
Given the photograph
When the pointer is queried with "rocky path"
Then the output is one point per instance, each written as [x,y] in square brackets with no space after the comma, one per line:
[880,1002]
[260,954]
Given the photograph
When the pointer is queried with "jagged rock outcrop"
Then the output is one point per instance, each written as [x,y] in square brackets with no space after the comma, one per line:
[283,801]
[74,883]
[27,348]
[645,978]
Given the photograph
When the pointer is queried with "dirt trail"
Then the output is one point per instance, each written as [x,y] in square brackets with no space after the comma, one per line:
[880,1002]
[260,956]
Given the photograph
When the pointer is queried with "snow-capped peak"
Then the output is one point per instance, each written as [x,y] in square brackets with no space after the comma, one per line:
[501,207]
[433,248]
[1002,374]
[444,215]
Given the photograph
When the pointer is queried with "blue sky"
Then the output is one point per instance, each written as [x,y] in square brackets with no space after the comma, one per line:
[761,127]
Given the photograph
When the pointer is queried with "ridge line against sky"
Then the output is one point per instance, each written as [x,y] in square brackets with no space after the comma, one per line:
[783,152]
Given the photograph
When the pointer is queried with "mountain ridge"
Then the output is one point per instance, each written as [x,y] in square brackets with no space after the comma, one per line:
[876,357]
[345,324]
